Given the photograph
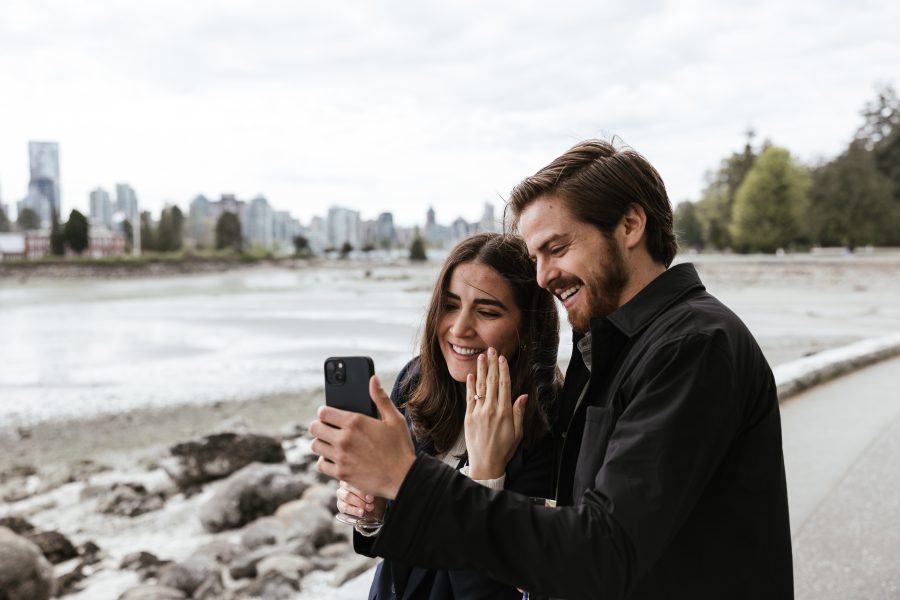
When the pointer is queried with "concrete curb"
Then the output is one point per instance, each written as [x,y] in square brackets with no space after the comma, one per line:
[799,375]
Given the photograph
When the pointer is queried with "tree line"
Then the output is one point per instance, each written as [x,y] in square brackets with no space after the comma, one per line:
[762,200]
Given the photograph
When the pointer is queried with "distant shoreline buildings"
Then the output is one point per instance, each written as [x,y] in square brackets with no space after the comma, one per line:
[116,224]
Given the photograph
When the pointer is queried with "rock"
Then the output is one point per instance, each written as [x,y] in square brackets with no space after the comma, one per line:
[273,586]
[306,522]
[323,495]
[289,565]
[67,583]
[245,565]
[24,572]
[129,500]
[255,491]
[217,456]
[221,551]
[90,553]
[352,567]
[55,546]
[188,575]
[335,550]
[263,532]
[16,524]
[323,564]
[212,588]
[17,472]
[152,592]
[145,563]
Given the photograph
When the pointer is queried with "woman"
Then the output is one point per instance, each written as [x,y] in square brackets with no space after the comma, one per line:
[491,335]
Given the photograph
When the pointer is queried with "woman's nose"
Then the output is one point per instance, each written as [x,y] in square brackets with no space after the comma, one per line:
[462,324]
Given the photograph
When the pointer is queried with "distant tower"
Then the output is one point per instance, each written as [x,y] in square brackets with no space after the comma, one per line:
[429,221]
[101,208]
[487,218]
[43,186]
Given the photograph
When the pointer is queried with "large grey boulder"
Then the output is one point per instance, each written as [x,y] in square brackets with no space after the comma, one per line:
[152,592]
[24,572]
[307,523]
[54,546]
[188,575]
[129,500]
[255,491]
[272,586]
[217,456]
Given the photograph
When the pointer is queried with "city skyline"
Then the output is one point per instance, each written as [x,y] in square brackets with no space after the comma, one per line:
[420,105]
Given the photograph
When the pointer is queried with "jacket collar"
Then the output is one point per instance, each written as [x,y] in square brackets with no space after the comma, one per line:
[635,315]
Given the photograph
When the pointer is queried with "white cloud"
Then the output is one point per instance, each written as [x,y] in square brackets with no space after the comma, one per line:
[401,105]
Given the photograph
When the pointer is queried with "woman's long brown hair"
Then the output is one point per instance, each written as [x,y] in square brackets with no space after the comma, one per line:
[437,405]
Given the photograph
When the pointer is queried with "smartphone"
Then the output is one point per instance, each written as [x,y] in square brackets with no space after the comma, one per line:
[347,384]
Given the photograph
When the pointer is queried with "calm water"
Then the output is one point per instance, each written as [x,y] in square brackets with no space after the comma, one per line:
[76,348]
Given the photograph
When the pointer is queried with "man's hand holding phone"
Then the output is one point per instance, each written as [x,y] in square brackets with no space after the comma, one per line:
[367,453]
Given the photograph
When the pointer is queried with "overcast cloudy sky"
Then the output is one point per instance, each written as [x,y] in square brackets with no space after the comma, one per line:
[401,105]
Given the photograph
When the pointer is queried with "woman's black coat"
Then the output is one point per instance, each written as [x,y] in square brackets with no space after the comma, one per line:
[529,472]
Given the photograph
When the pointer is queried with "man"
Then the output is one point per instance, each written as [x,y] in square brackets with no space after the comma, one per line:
[670,480]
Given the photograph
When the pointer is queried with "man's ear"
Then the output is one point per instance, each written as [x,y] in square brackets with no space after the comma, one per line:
[634,222]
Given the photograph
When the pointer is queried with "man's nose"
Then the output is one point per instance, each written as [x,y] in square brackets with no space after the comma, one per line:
[546,273]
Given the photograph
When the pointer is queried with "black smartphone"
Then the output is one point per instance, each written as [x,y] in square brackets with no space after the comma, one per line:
[347,384]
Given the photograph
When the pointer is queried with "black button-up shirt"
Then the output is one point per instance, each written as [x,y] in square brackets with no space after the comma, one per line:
[671,475]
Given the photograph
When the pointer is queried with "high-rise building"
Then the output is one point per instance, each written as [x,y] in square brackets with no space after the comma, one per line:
[343,227]
[384,230]
[43,184]
[101,208]
[200,230]
[488,222]
[126,202]
[260,223]
[460,229]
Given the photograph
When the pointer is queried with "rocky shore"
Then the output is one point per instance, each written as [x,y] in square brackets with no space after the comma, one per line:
[230,515]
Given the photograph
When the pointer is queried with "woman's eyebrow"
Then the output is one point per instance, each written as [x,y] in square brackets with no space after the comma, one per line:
[479,301]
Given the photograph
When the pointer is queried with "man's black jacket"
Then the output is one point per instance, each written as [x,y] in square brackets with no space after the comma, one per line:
[529,472]
[672,466]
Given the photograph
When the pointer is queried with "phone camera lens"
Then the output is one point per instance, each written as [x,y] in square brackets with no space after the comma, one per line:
[339,376]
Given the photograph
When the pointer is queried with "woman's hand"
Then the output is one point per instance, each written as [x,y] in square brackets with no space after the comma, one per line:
[493,424]
[355,503]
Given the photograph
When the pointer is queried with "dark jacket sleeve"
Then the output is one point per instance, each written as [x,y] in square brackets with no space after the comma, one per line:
[399,394]
[664,447]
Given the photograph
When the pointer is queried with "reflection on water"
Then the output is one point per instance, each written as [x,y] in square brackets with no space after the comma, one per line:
[76,348]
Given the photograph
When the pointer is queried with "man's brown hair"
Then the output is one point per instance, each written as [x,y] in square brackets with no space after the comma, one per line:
[598,183]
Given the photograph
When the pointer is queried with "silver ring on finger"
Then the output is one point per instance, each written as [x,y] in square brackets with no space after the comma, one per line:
[478,398]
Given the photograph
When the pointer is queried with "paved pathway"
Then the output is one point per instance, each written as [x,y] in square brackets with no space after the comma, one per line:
[842,457]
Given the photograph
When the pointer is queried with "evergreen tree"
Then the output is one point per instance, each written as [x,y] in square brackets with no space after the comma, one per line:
[417,249]
[228,232]
[76,232]
[4,221]
[148,233]
[688,227]
[346,249]
[850,201]
[128,231]
[716,206]
[301,245]
[28,220]
[177,220]
[770,204]
[57,236]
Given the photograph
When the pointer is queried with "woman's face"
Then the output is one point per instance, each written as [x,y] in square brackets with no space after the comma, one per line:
[478,312]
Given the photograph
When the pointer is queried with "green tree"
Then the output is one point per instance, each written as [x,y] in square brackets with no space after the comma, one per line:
[881,135]
[417,249]
[28,220]
[301,245]
[228,232]
[148,233]
[850,201]
[4,221]
[57,236]
[716,205]
[688,227]
[76,232]
[346,249]
[169,231]
[770,204]
[128,231]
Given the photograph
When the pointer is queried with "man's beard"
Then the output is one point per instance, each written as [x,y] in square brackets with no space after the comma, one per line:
[602,289]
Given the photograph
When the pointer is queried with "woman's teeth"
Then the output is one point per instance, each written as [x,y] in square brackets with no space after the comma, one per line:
[466,351]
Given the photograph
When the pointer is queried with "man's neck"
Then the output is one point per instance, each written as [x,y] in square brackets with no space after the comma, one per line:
[642,273]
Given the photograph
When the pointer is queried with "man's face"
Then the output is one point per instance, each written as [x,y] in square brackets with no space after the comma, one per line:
[574,261]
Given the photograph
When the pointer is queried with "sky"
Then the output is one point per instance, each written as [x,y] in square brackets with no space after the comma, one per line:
[397,106]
